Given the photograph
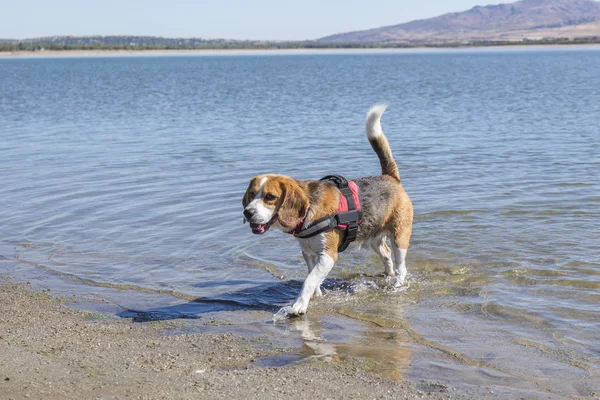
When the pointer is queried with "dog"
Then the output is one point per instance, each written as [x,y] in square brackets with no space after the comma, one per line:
[289,204]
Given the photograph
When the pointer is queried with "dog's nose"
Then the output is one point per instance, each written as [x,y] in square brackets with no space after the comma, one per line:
[248,213]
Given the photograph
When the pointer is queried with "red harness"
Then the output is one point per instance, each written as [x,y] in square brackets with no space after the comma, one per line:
[347,218]
[344,202]
[343,207]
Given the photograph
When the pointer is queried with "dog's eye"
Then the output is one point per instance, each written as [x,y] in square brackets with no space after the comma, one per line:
[269,197]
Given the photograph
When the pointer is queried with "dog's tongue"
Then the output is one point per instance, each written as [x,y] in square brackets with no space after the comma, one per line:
[258,228]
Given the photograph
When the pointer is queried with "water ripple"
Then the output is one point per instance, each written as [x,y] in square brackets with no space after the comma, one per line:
[120,178]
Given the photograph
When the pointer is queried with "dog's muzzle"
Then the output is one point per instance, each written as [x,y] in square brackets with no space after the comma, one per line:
[259,229]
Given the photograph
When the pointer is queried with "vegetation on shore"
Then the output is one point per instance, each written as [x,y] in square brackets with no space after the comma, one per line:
[130,44]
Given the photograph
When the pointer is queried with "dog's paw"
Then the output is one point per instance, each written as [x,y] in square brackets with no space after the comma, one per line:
[283,313]
[400,284]
[287,312]
[299,308]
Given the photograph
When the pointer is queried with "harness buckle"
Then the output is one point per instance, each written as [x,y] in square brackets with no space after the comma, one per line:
[345,218]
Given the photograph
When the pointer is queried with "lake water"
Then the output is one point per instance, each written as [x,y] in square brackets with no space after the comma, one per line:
[122,177]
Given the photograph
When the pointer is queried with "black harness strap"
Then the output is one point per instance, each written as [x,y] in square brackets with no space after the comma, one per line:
[350,218]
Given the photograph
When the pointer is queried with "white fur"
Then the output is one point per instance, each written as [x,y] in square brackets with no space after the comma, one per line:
[374,120]
[260,189]
[310,264]
[380,247]
[310,248]
[262,213]
[399,265]
[314,245]
[312,282]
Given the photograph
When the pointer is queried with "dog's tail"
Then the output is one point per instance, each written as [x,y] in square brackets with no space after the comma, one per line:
[379,142]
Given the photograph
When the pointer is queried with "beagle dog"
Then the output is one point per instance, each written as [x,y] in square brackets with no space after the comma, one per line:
[289,204]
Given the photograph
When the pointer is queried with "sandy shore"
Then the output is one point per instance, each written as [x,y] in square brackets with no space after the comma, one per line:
[49,351]
[104,53]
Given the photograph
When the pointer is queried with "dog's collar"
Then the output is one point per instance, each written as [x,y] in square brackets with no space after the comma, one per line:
[298,227]
[347,218]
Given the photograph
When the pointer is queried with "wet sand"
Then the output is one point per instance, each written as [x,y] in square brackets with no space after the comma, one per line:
[50,351]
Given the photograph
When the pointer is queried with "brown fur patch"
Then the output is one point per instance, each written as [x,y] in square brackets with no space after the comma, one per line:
[401,219]
[324,198]
[293,202]
[386,159]
[252,190]
[332,241]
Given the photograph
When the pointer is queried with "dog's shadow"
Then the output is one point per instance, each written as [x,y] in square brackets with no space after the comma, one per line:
[263,297]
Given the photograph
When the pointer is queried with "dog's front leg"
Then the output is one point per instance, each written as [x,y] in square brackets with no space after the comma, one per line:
[310,264]
[313,281]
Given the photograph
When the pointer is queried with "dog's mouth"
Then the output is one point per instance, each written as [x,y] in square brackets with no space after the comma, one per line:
[259,229]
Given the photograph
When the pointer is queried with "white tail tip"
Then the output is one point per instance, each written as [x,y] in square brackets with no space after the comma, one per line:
[374,120]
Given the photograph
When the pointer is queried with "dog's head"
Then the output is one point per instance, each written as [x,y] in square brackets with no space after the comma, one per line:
[272,199]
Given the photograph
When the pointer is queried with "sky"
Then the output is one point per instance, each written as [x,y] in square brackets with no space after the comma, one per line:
[230,19]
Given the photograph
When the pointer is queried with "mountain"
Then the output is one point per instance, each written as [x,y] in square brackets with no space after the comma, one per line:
[533,19]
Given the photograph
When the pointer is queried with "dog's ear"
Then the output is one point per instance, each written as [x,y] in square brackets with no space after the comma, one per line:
[294,206]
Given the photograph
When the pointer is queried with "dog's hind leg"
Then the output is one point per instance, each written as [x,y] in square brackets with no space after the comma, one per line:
[380,247]
[400,247]
[310,263]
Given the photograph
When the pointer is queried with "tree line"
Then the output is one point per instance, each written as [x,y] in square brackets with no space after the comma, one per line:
[32,46]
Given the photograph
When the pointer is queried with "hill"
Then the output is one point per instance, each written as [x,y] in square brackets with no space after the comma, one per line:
[527,19]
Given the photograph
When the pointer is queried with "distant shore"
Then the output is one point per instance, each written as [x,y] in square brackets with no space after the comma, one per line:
[97,53]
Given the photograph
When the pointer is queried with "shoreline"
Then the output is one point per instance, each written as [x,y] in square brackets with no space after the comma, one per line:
[52,351]
[100,53]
